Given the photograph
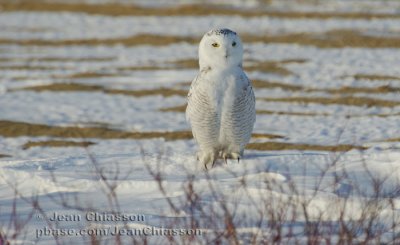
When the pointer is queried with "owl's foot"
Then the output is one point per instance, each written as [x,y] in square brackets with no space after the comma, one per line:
[236,155]
[233,155]
[206,158]
[225,156]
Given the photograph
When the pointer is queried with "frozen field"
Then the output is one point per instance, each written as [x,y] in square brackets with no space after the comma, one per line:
[92,101]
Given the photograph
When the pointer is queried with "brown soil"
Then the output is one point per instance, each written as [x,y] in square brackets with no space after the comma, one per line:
[32,67]
[351,101]
[352,90]
[18,129]
[393,140]
[279,146]
[144,39]
[117,9]
[83,75]
[274,84]
[58,59]
[181,108]
[291,113]
[68,87]
[268,136]
[56,143]
[330,39]
[374,77]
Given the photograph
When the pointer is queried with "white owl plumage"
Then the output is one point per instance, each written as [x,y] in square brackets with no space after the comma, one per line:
[221,102]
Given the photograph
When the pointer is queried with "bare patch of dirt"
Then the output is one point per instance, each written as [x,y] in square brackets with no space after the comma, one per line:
[330,39]
[56,143]
[18,129]
[58,59]
[274,84]
[393,140]
[268,136]
[280,146]
[373,77]
[143,39]
[117,9]
[68,87]
[291,113]
[352,90]
[181,108]
[351,101]
[88,74]
[32,67]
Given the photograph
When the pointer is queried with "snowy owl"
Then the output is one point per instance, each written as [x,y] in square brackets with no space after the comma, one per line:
[221,102]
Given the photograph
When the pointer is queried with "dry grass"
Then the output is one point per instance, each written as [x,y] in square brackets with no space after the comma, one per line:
[185,63]
[249,65]
[32,67]
[264,66]
[274,84]
[143,39]
[83,75]
[350,101]
[291,113]
[66,87]
[272,66]
[393,140]
[352,90]
[385,115]
[268,136]
[373,77]
[166,92]
[69,87]
[330,39]
[180,108]
[58,59]
[342,90]
[280,146]
[56,143]
[268,66]
[18,129]
[116,9]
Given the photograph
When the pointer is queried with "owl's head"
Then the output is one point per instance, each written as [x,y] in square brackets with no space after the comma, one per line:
[220,48]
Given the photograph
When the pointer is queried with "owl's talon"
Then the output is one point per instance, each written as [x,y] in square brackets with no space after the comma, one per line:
[213,164]
[225,157]
[238,159]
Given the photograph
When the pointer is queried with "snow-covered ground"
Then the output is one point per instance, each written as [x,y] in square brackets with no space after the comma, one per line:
[296,187]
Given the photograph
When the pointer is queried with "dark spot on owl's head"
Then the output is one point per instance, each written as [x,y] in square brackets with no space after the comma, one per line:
[221,32]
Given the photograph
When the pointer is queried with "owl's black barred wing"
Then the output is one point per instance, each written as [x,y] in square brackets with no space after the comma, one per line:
[202,115]
[240,118]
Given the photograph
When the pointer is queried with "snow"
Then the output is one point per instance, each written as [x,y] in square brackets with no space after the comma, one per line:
[72,180]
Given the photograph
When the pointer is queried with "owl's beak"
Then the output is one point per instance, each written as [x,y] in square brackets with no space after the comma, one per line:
[226,54]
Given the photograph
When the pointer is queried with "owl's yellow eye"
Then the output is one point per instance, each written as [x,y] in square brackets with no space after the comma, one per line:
[215,45]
